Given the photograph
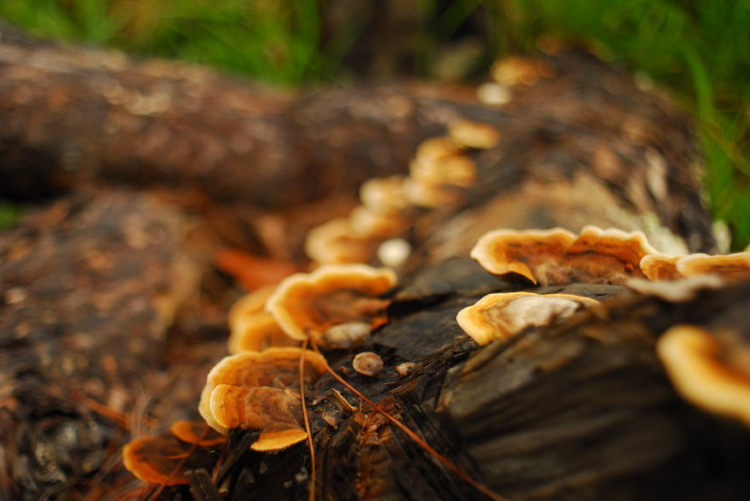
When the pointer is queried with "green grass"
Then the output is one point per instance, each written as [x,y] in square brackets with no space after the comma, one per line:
[699,50]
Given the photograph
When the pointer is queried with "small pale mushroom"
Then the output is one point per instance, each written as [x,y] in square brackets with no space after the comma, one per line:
[307,305]
[336,242]
[384,194]
[436,148]
[394,252]
[557,256]
[251,327]
[502,315]
[368,363]
[275,368]
[468,134]
[702,373]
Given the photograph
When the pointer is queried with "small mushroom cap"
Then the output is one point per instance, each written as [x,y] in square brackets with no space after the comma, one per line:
[451,170]
[558,257]
[251,327]
[308,305]
[429,195]
[368,363]
[695,364]
[730,266]
[494,94]
[155,459]
[504,252]
[660,267]
[468,134]
[196,432]
[347,335]
[377,225]
[336,242]
[436,148]
[502,315]
[394,252]
[384,194]
[520,70]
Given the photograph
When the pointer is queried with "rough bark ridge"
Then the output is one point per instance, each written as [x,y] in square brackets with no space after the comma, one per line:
[107,332]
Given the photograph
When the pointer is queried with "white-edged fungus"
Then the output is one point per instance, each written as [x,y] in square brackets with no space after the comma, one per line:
[557,256]
[502,315]
[307,305]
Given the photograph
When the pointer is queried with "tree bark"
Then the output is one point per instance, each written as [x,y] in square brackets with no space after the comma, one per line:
[107,332]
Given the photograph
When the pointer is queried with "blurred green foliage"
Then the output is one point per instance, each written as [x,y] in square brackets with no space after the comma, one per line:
[699,50]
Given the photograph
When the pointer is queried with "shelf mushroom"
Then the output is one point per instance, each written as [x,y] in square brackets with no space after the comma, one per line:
[309,306]
[501,315]
[703,373]
[255,390]
[251,327]
[730,267]
[557,256]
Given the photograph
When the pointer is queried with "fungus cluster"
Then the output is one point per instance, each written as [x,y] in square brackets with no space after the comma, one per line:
[257,387]
[440,172]
[336,306]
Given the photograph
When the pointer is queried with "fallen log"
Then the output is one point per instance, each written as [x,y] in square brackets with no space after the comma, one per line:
[94,293]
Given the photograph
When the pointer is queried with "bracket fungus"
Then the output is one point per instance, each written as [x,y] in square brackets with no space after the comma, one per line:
[161,459]
[468,134]
[557,256]
[703,373]
[336,242]
[254,390]
[730,267]
[251,327]
[384,194]
[306,306]
[502,315]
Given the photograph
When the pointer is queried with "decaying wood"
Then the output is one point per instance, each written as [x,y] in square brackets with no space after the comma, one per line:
[104,336]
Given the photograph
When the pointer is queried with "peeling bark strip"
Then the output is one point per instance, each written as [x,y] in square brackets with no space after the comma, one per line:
[92,286]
